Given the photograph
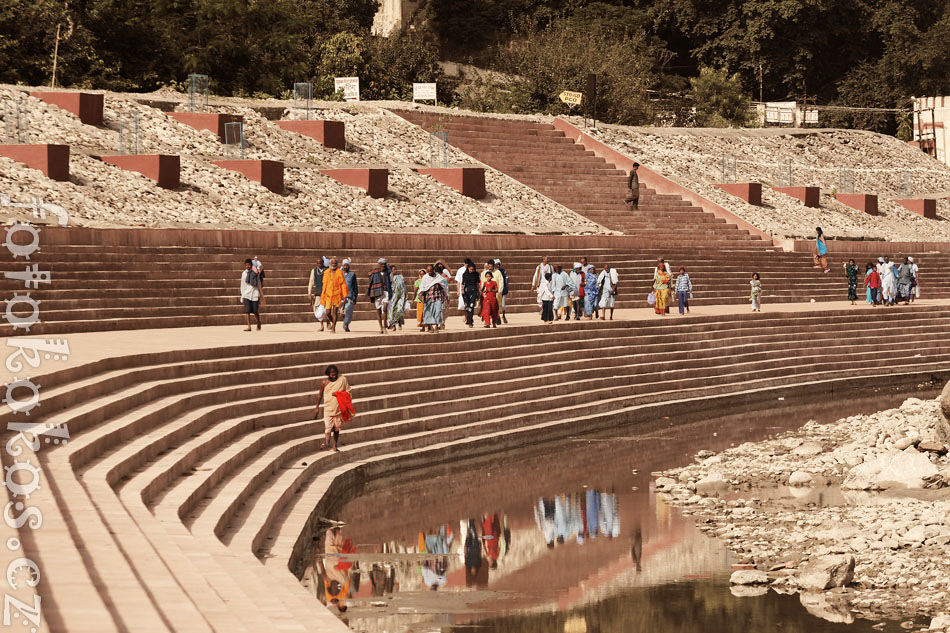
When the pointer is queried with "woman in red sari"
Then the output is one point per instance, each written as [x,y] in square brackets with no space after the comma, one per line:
[489,294]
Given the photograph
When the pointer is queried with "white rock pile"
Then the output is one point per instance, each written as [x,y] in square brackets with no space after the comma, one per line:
[99,194]
[878,164]
[859,506]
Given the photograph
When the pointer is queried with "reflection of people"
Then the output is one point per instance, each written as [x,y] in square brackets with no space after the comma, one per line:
[473,556]
[433,573]
[609,515]
[636,550]
[336,577]
[382,578]
[337,406]
[491,538]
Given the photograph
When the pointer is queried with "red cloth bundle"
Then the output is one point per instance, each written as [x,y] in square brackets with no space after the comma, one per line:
[345,401]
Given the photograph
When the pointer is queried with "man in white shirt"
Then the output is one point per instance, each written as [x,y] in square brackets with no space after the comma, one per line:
[543,269]
[577,288]
[252,295]
[458,281]
[607,283]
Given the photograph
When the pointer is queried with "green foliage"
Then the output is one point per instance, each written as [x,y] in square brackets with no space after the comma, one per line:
[551,59]
[719,99]
[387,67]
[905,128]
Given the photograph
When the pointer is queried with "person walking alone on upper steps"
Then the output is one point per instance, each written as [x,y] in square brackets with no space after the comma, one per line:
[633,188]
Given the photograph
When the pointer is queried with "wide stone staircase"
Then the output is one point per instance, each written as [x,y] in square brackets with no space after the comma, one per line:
[546,160]
[192,481]
[125,287]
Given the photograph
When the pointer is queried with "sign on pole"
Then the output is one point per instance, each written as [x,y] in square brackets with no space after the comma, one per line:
[423,92]
[571,98]
[350,87]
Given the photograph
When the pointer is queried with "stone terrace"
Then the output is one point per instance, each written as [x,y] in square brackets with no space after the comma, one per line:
[181,501]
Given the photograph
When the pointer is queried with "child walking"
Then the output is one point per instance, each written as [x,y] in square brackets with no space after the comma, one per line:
[755,297]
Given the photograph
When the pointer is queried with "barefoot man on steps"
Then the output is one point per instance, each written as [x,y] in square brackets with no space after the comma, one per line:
[337,407]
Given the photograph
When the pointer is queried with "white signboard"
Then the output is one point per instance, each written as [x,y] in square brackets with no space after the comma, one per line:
[423,92]
[350,87]
[779,115]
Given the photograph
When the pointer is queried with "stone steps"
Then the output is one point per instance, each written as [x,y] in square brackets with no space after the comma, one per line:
[557,167]
[183,475]
[135,288]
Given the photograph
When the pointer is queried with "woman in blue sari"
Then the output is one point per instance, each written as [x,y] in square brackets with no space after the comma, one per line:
[590,292]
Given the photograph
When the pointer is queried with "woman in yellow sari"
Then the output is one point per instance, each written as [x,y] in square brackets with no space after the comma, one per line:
[661,288]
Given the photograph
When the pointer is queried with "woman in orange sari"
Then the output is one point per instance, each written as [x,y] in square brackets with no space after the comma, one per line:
[661,288]
[489,294]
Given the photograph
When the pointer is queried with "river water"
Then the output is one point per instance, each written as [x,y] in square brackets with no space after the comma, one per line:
[565,537]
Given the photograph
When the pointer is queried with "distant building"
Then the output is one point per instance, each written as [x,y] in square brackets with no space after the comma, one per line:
[785,114]
[393,15]
[931,115]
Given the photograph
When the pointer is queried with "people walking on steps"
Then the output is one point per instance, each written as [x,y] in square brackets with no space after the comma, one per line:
[661,288]
[916,269]
[540,271]
[590,291]
[420,302]
[352,292]
[503,297]
[633,188]
[337,406]
[888,280]
[252,294]
[851,270]
[489,296]
[755,297]
[577,290]
[872,279]
[821,251]
[867,276]
[607,285]
[396,310]
[546,298]
[684,290]
[470,292]
[446,277]
[666,266]
[434,291]
[905,281]
[561,289]
[258,267]
[458,284]
[334,293]
[502,282]
[376,291]
[315,283]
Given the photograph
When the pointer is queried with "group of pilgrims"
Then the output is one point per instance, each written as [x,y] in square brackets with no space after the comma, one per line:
[583,291]
[886,282]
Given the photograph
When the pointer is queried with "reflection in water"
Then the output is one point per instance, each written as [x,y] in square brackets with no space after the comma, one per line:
[558,538]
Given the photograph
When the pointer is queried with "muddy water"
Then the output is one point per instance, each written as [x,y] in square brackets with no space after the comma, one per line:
[566,537]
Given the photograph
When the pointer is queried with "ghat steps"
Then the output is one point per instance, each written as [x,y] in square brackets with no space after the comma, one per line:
[124,287]
[181,478]
[546,160]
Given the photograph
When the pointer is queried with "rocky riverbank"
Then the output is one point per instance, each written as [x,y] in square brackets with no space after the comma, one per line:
[853,515]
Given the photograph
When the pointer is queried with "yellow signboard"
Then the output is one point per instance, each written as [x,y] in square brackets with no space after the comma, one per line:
[571,98]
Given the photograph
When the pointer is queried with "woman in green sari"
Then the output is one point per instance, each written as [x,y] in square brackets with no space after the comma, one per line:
[397,302]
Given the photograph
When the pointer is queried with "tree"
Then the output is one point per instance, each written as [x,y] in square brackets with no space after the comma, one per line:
[719,99]
[551,59]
